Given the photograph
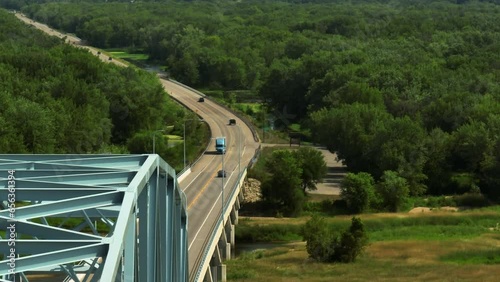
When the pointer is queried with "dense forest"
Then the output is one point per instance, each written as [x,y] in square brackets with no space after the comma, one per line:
[56,98]
[404,86]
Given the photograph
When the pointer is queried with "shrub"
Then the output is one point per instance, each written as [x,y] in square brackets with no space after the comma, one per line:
[472,200]
[358,191]
[433,202]
[323,246]
[267,233]
[324,207]
[351,243]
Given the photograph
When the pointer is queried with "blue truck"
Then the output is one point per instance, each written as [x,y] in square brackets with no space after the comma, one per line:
[220,145]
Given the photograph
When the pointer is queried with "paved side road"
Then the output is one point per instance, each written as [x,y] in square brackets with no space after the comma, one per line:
[335,174]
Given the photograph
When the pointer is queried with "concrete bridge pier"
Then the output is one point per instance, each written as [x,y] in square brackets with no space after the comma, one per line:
[224,247]
[229,230]
[217,268]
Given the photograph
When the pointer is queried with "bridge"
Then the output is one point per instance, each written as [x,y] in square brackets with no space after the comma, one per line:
[125,217]
[211,237]
[91,218]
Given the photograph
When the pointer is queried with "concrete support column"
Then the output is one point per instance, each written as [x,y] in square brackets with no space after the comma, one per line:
[236,215]
[217,270]
[222,246]
[222,271]
[237,203]
[232,235]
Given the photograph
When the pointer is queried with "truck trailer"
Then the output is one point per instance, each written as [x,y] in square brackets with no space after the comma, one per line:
[220,145]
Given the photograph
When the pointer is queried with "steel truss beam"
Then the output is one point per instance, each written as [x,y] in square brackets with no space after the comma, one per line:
[92,218]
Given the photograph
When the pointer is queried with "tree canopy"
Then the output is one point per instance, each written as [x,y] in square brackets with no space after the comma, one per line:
[378,82]
[56,98]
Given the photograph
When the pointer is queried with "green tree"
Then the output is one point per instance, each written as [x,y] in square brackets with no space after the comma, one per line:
[98,31]
[393,191]
[437,168]
[142,143]
[490,179]
[313,167]
[351,243]
[283,189]
[285,86]
[349,131]
[358,191]
[399,145]
[318,238]
[324,245]
[34,122]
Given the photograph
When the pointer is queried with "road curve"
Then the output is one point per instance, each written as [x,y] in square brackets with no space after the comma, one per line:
[202,187]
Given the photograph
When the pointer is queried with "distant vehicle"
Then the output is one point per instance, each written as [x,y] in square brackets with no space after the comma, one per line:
[110,59]
[201,99]
[220,145]
[221,173]
[232,121]
[98,52]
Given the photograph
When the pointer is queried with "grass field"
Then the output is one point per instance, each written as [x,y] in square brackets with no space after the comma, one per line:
[128,56]
[249,107]
[174,140]
[434,246]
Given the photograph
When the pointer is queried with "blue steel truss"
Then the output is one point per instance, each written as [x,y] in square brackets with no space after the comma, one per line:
[91,218]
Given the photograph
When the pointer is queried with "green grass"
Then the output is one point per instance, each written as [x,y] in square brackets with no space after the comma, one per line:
[433,246]
[128,56]
[268,233]
[294,127]
[424,228]
[474,257]
[430,227]
[174,137]
[249,108]
[174,140]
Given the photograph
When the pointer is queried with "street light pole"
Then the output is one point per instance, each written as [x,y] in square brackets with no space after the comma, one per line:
[239,151]
[184,142]
[223,175]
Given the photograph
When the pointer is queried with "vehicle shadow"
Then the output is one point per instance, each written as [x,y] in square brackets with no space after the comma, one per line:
[212,153]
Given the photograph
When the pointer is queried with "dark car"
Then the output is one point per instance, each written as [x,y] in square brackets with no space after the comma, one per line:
[201,99]
[232,121]
[221,173]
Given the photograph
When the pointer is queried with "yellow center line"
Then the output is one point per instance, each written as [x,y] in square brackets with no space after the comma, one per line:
[203,189]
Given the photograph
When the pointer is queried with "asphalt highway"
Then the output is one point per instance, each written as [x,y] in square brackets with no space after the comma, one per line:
[202,186]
